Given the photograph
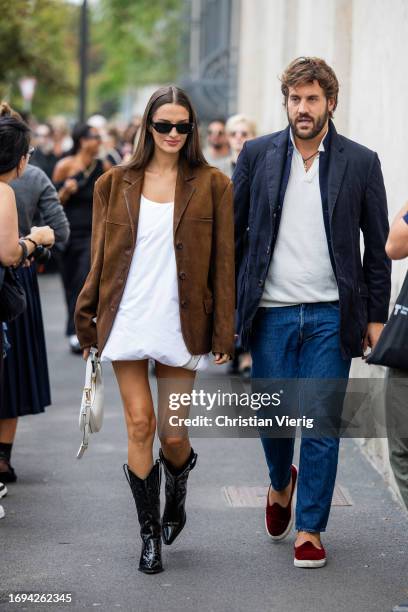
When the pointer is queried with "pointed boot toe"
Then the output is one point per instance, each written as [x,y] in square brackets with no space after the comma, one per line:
[171,530]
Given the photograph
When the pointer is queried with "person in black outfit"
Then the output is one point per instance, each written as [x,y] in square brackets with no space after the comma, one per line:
[74,177]
[24,387]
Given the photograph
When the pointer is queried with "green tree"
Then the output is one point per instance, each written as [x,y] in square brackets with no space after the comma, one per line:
[38,38]
[135,42]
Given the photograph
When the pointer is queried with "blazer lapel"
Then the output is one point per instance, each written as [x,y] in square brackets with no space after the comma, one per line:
[184,191]
[132,195]
[275,160]
[337,168]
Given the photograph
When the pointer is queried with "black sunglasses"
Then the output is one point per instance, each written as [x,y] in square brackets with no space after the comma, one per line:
[165,128]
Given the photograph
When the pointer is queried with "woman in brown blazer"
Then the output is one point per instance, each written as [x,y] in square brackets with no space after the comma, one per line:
[161,286]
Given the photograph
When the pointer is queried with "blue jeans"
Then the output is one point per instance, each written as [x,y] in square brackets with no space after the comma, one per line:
[302,342]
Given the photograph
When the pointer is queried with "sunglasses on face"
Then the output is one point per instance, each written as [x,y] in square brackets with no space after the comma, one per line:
[93,137]
[162,127]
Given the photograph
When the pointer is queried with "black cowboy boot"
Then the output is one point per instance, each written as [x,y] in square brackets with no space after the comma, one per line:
[174,516]
[147,498]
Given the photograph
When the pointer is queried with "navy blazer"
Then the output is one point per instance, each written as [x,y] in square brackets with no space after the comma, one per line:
[355,200]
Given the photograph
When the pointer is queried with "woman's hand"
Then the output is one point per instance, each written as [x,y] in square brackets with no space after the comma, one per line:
[221,358]
[86,352]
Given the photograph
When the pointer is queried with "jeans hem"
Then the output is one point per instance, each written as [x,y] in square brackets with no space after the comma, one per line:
[284,486]
[308,530]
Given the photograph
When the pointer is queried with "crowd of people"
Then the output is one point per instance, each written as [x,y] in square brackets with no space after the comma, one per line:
[275,297]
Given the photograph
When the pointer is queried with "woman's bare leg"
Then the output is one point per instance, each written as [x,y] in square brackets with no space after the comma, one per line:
[174,441]
[132,377]
[8,429]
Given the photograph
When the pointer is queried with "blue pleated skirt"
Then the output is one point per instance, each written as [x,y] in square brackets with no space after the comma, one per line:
[26,386]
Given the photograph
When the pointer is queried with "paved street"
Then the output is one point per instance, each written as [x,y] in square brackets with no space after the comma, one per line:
[71,525]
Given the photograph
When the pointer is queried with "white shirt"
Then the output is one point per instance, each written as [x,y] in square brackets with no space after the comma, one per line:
[300,270]
[147,324]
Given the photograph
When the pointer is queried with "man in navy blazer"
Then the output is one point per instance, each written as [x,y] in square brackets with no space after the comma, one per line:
[306,300]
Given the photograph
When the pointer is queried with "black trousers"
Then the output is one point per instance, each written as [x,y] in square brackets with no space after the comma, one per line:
[75,265]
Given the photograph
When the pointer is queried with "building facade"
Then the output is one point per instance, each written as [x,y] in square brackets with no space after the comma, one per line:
[213,39]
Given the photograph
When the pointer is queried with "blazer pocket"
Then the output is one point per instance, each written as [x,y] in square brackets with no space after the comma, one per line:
[209,305]
[205,219]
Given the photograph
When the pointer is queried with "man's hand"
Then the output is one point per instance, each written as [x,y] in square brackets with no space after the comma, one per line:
[85,352]
[372,335]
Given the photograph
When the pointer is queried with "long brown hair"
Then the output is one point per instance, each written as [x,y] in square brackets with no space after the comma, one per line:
[191,150]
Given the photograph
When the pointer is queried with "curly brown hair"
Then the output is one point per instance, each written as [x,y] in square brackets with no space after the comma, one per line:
[306,70]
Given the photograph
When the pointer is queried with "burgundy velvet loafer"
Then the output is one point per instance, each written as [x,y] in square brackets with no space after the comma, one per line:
[279,519]
[308,555]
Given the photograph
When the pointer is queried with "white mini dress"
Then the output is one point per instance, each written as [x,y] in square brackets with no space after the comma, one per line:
[147,323]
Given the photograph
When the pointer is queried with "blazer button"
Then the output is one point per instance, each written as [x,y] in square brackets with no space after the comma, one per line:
[182,275]
[260,283]
[112,308]
[128,252]
[179,245]
[184,303]
[120,281]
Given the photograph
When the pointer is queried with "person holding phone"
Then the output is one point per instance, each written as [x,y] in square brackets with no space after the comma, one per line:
[75,176]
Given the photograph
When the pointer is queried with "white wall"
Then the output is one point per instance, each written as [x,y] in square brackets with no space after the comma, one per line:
[273,32]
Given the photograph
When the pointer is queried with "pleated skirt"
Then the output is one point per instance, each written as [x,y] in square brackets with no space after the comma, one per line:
[26,386]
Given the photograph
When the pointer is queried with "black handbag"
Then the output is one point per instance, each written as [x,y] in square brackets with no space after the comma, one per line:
[13,301]
[392,347]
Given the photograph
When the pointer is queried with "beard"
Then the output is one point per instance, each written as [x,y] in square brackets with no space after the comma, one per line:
[316,126]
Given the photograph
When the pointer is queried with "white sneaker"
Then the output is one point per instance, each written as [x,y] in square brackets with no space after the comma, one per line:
[2,513]
[3,490]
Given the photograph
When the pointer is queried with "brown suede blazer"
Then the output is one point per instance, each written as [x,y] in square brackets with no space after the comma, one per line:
[204,248]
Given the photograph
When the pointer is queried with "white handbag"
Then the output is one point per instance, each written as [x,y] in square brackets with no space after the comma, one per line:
[91,413]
